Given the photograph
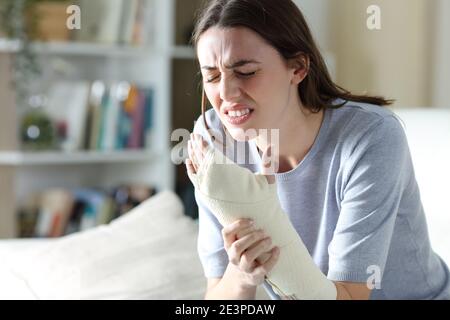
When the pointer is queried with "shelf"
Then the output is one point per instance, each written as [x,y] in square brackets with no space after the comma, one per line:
[77,48]
[93,49]
[82,157]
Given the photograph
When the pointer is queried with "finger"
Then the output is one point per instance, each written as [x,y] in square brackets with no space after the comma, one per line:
[229,232]
[190,167]
[258,248]
[239,246]
[264,257]
[248,258]
[269,164]
[264,269]
[197,150]
[192,156]
[202,144]
[217,139]
[266,159]
[243,232]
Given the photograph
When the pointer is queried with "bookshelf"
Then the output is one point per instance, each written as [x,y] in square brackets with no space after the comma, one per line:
[23,172]
[95,49]
[13,158]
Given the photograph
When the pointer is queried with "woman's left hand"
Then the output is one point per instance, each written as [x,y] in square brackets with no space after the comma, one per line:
[197,149]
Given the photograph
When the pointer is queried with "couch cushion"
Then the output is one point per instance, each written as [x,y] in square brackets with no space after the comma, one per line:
[428,133]
[149,253]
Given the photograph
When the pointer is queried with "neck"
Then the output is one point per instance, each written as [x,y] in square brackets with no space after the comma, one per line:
[298,130]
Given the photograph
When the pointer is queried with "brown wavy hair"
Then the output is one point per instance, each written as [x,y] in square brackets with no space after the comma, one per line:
[282,25]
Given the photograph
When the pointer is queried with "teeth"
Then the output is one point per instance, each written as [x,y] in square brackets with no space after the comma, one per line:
[238,113]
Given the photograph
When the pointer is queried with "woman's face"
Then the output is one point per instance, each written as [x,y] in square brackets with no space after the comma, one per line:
[245,79]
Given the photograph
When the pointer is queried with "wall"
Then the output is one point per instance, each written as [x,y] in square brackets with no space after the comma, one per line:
[441,65]
[406,60]
[392,61]
[317,14]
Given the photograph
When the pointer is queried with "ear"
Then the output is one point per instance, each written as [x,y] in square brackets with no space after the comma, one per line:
[300,66]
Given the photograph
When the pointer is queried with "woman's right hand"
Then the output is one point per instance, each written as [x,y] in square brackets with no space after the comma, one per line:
[249,251]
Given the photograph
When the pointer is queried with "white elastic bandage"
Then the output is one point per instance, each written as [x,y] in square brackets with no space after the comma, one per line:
[231,193]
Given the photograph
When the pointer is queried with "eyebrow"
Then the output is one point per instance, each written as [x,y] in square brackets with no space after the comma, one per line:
[237,64]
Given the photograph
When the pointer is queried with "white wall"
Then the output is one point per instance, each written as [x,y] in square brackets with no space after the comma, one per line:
[406,60]
[441,56]
[393,61]
[317,15]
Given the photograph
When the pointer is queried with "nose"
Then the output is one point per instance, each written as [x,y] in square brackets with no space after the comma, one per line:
[229,89]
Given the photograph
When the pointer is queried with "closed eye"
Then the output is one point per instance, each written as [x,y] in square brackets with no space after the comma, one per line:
[241,74]
[212,79]
[246,74]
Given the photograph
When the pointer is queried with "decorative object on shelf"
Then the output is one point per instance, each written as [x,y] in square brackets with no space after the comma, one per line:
[25,20]
[48,19]
[25,67]
[37,129]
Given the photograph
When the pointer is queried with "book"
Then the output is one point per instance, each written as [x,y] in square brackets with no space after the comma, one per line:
[100,21]
[59,212]
[54,212]
[147,134]
[67,105]
[97,93]
[90,22]
[93,201]
[110,117]
[109,26]
[128,20]
[135,140]
[144,26]
[96,116]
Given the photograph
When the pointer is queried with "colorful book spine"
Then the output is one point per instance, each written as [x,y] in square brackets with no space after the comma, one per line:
[135,140]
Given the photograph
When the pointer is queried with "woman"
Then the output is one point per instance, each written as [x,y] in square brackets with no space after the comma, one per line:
[344,175]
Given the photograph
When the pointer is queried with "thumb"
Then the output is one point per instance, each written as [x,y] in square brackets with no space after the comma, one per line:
[217,139]
[269,164]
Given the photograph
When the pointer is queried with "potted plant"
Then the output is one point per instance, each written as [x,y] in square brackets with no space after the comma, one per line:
[26,21]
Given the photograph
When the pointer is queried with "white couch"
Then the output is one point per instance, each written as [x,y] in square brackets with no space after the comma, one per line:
[150,253]
[428,133]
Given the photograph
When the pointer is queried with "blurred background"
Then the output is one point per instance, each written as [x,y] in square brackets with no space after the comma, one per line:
[86,115]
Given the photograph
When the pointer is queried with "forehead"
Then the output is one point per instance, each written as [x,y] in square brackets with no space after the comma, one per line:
[226,45]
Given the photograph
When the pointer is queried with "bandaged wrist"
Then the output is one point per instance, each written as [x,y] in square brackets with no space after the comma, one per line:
[232,192]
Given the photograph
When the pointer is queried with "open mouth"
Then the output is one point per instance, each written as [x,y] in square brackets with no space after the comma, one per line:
[238,117]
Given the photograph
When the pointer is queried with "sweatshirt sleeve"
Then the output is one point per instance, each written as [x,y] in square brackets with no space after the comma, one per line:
[375,176]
